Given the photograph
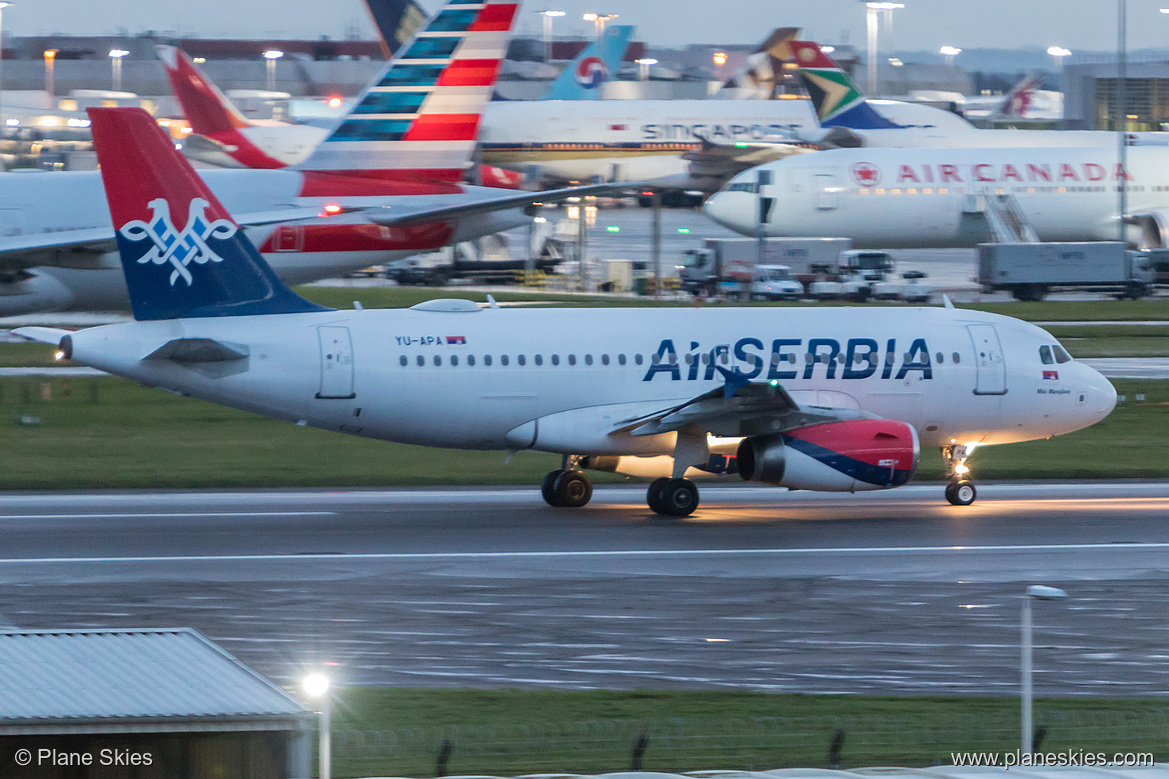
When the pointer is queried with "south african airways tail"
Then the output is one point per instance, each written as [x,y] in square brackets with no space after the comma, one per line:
[838,100]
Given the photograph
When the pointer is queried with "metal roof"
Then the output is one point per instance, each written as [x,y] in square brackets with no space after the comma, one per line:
[165,674]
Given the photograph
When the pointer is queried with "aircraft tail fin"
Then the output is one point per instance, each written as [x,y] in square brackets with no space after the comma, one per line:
[1017,102]
[595,65]
[420,116]
[396,22]
[760,73]
[205,268]
[838,100]
[209,111]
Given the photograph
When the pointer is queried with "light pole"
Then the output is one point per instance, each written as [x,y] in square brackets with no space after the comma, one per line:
[643,66]
[1034,592]
[598,21]
[1057,53]
[272,55]
[116,63]
[3,4]
[548,17]
[871,20]
[50,59]
[316,687]
[949,52]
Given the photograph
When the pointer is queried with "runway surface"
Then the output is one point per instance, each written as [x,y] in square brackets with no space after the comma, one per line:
[892,593]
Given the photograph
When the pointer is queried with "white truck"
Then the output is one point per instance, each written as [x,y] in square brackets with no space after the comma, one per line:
[1030,270]
[725,265]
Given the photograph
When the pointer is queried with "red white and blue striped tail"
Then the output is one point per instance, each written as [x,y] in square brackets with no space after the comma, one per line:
[420,117]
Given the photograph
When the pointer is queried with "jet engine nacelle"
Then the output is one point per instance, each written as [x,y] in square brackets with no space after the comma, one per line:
[866,454]
[25,293]
[1153,229]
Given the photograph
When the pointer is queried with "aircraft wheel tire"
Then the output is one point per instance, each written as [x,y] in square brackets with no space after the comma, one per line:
[677,498]
[573,489]
[653,496]
[961,492]
[548,488]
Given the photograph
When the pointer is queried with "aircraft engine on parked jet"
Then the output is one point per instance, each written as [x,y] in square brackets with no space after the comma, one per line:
[867,454]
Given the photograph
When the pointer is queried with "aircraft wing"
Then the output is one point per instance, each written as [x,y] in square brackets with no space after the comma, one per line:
[79,248]
[739,408]
[726,160]
[399,216]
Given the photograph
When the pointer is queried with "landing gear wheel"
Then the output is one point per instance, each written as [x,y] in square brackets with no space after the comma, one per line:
[961,492]
[653,496]
[573,489]
[677,498]
[548,488]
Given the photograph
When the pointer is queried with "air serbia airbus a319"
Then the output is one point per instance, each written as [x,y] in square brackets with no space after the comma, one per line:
[838,400]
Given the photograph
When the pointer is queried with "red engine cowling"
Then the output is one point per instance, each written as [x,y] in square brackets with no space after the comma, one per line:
[866,454]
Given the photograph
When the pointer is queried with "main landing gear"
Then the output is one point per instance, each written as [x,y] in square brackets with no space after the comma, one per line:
[567,488]
[960,490]
[672,497]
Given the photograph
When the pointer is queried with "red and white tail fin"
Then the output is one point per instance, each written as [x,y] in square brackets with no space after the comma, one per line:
[210,113]
[420,117]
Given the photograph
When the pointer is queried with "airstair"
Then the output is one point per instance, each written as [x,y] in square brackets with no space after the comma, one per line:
[1008,223]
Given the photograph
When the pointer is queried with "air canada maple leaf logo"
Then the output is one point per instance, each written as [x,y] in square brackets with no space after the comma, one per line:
[866,174]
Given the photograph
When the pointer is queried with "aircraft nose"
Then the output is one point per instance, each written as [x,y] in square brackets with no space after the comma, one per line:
[727,209]
[1101,394]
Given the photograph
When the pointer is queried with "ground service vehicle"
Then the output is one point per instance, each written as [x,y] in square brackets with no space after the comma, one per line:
[1030,270]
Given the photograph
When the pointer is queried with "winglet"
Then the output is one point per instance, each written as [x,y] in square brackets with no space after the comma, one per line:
[205,267]
[735,381]
[838,100]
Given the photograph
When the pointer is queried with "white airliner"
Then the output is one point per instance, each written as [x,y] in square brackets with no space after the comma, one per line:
[939,197]
[390,173]
[835,400]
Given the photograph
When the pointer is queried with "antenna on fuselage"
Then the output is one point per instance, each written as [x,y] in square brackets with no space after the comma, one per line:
[947,302]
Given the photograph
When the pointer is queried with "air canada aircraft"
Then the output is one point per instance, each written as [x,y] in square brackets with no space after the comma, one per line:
[835,400]
[389,174]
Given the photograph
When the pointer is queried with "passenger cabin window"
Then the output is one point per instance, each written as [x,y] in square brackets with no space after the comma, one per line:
[1045,355]
[503,359]
[421,361]
[539,358]
[957,358]
[1061,355]
[572,359]
[521,359]
[637,359]
[471,360]
[403,361]
[556,359]
[454,360]
[487,359]
[621,359]
[588,359]
[437,360]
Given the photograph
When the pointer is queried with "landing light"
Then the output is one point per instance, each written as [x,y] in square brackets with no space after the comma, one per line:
[961,469]
[58,355]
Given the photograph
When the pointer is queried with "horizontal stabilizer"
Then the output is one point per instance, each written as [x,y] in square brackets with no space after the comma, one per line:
[42,335]
[198,350]
[404,217]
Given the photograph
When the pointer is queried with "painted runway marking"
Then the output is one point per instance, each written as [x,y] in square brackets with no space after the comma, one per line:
[408,556]
[174,514]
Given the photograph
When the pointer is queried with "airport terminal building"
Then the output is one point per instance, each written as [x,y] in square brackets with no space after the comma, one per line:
[1091,95]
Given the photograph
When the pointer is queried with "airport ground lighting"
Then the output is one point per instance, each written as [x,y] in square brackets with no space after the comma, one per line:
[50,60]
[871,9]
[548,17]
[599,21]
[116,56]
[316,688]
[949,52]
[1057,53]
[271,55]
[643,66]
[1034,592]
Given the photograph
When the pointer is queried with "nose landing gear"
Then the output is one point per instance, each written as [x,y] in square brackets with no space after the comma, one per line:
[960,490]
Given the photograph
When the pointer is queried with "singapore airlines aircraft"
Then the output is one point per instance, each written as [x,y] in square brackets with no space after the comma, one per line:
[836,400]
[389,173]
[940,197]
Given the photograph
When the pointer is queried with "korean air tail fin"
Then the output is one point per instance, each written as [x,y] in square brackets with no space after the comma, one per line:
[205,268]
[838,100]
[593,67]
[419,119]
[209,112]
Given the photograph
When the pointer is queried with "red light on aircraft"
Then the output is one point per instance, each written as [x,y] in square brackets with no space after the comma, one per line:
[335,101]
[332,209]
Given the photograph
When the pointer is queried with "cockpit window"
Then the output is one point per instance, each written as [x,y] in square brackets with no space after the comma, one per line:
[1045,355]
[742,186]
[1061,355]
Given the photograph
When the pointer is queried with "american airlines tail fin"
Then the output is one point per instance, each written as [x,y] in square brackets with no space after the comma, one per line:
[210,113]
[759,74]
[396,22]
[1017,102]
[838,100]
[206,267]
[420,117]
[595,65]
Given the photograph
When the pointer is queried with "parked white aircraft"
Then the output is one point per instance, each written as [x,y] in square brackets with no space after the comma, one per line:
[838,400]
[389,173]
[937,197]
